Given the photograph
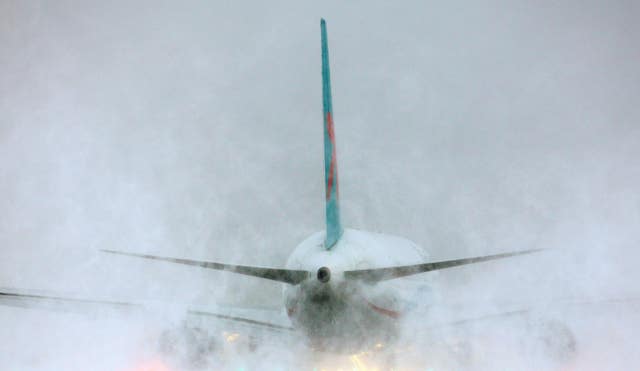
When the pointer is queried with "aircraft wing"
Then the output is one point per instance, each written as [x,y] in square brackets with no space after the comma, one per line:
[513,311]
[47,301]
[553,331]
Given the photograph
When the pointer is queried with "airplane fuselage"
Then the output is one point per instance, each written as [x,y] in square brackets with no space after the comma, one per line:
[345,315]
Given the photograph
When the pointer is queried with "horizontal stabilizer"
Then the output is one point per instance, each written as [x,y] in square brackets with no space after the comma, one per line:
[383,274]
[290,276]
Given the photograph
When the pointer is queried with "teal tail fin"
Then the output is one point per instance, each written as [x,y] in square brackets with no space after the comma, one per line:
[334,226]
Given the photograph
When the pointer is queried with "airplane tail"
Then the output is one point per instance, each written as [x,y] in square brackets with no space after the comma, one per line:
[334,226]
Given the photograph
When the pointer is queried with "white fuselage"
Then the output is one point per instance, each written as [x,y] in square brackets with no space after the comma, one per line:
[342,315]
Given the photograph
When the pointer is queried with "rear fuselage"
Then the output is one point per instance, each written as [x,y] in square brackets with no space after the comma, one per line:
[345,315]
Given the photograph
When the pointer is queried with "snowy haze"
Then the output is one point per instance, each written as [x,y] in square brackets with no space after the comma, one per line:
[194,129]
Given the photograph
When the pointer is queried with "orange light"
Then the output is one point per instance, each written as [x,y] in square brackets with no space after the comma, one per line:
[155,365]
[230,337]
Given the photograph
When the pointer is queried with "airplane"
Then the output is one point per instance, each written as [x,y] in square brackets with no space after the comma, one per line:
[344,290]
[327,275]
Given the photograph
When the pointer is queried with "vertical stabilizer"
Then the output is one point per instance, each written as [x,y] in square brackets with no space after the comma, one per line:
[334,226]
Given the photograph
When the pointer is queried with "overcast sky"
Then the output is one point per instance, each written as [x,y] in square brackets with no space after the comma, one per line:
[194,129]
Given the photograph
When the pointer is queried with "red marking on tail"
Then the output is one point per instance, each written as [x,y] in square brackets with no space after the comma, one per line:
[333,155]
